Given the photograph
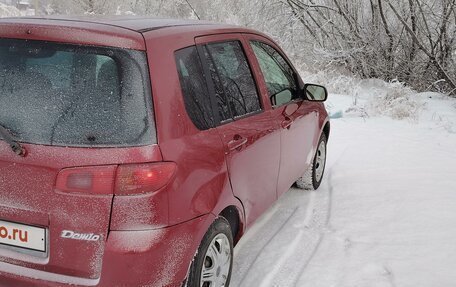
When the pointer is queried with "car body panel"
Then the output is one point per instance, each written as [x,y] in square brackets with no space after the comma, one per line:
[254,166]
[29,197]
[202,175]
[296,144]
[72,32]
[127,259]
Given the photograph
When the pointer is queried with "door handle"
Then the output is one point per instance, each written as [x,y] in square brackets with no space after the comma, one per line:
[286,124]
[237,143]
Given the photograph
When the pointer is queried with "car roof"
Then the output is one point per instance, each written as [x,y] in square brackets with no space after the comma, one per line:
[136,23]
[116,31]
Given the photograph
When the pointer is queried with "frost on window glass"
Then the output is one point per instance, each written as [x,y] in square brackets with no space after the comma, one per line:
[68,95]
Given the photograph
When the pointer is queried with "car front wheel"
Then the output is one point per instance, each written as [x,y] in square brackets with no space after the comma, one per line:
[213,262]
[312,178]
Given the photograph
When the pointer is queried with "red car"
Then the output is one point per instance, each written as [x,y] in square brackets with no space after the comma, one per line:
[136,152]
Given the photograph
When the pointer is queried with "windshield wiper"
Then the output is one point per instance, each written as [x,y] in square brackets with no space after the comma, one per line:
[9,138]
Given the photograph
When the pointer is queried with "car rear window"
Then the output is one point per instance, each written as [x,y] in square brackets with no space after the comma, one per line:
[71,95]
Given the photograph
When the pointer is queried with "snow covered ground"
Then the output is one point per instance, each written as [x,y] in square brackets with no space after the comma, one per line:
[385,215]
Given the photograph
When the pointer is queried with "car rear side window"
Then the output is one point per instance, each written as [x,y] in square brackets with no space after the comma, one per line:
[71,95]
[235,88]
[193,83]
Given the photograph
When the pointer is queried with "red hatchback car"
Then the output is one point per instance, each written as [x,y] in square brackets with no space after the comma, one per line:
[136,152]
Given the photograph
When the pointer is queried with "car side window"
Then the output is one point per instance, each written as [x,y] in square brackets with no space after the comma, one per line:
[234,86]
[279,76]
[194,88]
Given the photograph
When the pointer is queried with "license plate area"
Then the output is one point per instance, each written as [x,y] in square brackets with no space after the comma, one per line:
[23,236]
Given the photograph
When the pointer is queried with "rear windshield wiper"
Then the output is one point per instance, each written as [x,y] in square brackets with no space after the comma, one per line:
[9,138]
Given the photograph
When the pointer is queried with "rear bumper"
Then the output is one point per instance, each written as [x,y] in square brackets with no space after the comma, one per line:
[131,258]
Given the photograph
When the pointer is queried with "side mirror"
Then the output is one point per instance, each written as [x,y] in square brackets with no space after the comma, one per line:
[315,93]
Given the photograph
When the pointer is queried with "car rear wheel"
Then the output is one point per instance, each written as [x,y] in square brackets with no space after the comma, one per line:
[212,264]
[312,178]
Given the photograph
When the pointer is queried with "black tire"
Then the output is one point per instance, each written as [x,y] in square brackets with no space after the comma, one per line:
[310,180]
[220,230]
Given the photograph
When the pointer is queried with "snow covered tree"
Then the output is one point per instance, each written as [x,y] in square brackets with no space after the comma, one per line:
[412,41]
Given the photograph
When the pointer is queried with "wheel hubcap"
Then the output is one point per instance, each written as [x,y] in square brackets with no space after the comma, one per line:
[217,263]
[320,161]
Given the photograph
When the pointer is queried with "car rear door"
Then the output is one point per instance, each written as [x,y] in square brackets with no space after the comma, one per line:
[298,119]
[251,137]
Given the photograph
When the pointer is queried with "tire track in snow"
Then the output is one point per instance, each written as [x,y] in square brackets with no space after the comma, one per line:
[327,214]
[264,258]
[318,231]
[256,245]
[297,257]
[292,247]
[271,264]
[317,218]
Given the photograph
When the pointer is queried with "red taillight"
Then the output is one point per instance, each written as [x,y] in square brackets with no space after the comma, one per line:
[143,178]
[120,180]
[98,180]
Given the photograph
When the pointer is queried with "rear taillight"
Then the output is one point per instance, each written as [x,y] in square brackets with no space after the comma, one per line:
[120,180]
[143,178]
[96,180]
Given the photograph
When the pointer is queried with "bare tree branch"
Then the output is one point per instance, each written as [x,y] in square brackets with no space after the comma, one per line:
[432,57]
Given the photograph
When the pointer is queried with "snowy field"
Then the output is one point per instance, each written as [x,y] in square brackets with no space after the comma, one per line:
[385,215]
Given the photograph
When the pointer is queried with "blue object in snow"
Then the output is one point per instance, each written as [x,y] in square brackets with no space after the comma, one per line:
[337,115]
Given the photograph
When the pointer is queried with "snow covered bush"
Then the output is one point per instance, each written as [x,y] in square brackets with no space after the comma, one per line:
[335,82]
[396,101]
[372,97]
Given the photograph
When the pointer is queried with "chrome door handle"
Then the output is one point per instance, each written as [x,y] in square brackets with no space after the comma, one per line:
[286,124]
[237,143]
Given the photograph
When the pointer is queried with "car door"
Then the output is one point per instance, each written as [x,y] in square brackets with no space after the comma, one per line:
[298,119]
[250,135]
